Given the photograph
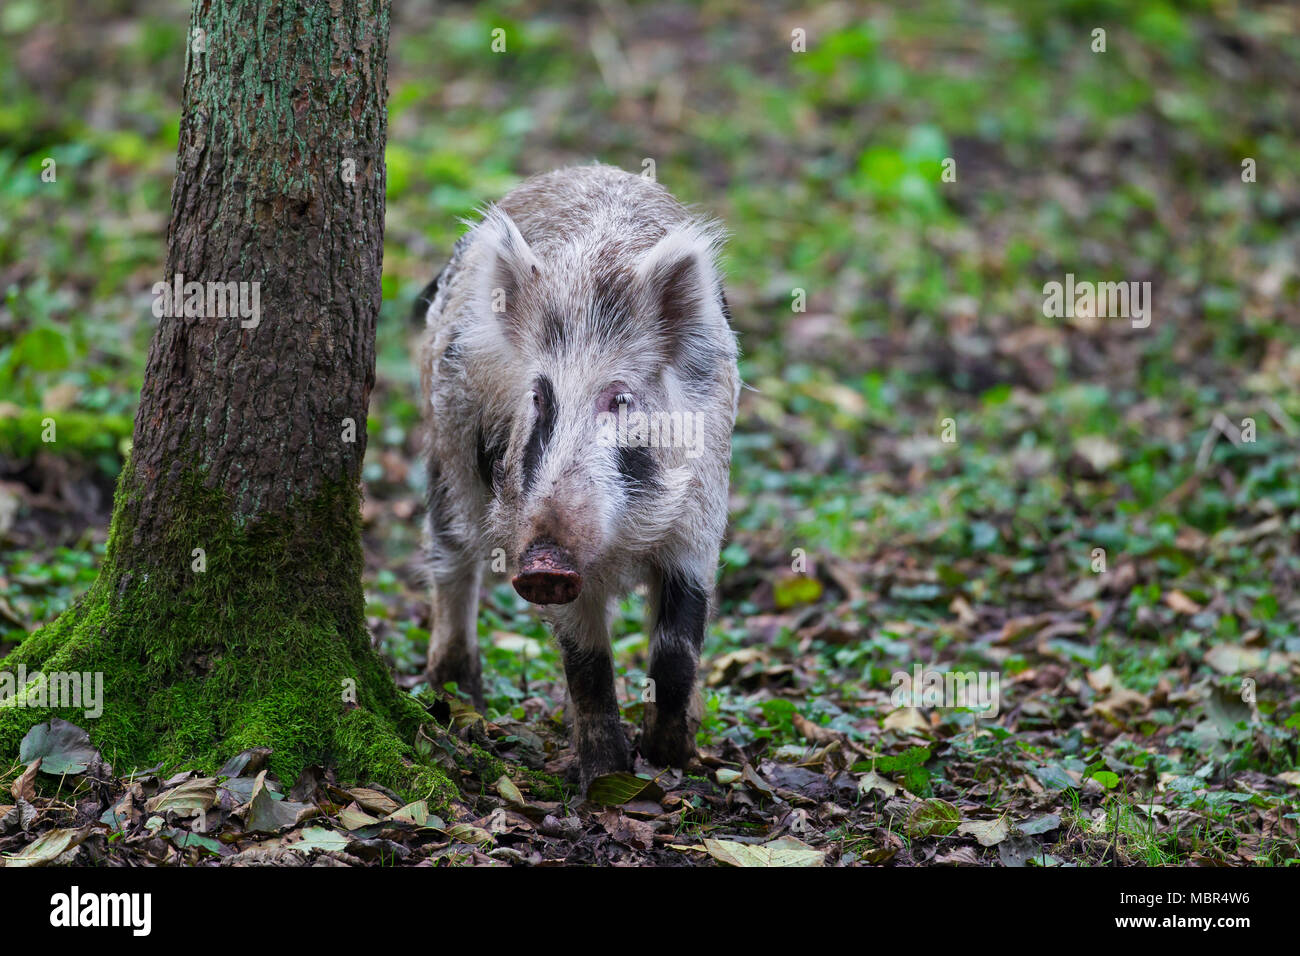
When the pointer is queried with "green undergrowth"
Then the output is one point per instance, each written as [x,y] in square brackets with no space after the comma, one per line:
[25,431]
[259,641]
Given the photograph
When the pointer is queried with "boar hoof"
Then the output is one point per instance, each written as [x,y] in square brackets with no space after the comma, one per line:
[468,680]
[667,748]
[602,753]
[589,773]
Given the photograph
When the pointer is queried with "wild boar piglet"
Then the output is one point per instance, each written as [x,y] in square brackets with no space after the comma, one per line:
[579,382]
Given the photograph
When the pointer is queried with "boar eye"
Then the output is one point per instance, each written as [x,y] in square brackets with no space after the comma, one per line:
[622,398]
[537,399]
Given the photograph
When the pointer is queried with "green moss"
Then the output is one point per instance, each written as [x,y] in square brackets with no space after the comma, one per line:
[545,786]
[489,768]
[265,646]
[366,750]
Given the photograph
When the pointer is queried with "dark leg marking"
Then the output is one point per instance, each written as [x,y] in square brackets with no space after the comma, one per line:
[458,662]
[667,737]
[601,746]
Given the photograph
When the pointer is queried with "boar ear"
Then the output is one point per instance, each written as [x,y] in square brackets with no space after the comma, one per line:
[510,263]
[679,286]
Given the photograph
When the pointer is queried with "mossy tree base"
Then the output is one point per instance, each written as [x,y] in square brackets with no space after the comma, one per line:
[229,610]
[266,646]
[245,444]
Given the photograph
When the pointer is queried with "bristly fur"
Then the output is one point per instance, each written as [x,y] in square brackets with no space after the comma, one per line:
[579,285]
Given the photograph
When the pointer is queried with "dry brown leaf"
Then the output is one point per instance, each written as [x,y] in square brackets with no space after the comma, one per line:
[814,732]
[1102,678]
[1018,627]
[1121,704]
[986,832]
[960,856]
[966,615]
[907,720]
[624,829]
[786,851]
[1181,603]
[24,788]
[374,801]
[1234,659]
[48,848]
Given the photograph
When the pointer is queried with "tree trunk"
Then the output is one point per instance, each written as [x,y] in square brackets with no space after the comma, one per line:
[229,611]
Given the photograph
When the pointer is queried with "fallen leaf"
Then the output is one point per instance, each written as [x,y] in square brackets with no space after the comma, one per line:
[813,732]
[24,788]
[1018,851]
[48,848]
[784,852]
[879,854]
[634,833]
[791,590]
[1120,704]
[353,817]
[319,838]
[269,815]
[64,748]
[906,720]
[373,801]
[985,832]
[1102,678]
[750,776]
[1043,824]
[1234,659]
[416,814]
[466,833]
[612,789]
[509,792]
[958,856]
[246,763]
[933,817]
[184,839]
[189,798]
[873,781]
[1100,452]
[1181,603]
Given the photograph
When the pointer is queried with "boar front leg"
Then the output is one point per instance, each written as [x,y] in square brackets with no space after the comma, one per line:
[453,639]
[680,605]
[455,569]
[582,631]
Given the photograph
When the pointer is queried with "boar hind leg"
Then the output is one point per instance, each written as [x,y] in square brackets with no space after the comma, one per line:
[453,641]
[680,605]
[583,636]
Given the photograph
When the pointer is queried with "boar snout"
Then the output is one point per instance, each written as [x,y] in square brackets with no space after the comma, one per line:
[546,575]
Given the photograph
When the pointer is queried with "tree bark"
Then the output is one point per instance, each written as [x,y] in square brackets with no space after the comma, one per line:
[229,611]
[285,95]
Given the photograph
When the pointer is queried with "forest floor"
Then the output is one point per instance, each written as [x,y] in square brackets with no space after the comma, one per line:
[929,472]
